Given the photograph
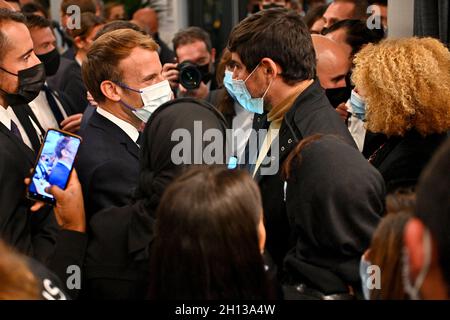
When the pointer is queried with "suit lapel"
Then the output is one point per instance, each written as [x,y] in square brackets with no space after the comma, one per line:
[22,147]
[113,130]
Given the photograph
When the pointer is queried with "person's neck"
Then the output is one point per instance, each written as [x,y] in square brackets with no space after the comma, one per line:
[80,55]
[116,109]
[284,91]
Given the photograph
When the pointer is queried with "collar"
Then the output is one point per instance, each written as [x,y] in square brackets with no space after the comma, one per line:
[5,117]
[126,127]
[277,113]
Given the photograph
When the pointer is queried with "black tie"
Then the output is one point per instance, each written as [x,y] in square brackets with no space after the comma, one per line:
[15,130]
[53,105]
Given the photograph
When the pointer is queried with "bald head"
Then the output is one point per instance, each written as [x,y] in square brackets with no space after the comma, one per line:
[148,18]
[332,62]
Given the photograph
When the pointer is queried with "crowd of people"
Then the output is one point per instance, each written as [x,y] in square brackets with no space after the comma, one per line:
[309,160]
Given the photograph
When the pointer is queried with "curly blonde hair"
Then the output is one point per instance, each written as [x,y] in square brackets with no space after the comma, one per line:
[406,84]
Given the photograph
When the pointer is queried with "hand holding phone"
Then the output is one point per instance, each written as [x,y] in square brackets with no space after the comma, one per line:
[54,164]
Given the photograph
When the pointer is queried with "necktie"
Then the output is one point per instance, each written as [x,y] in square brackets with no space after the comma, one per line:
[53,105]
[15,130]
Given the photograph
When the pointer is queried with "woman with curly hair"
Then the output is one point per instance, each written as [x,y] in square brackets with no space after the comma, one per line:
[402,88]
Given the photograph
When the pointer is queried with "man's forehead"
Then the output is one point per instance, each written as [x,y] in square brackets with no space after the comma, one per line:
[140,63]
[19,37]
[192,50]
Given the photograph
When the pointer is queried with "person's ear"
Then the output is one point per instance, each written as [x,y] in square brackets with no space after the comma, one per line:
[413,241]
[79,42]
[111,91]
[270,68]
[261,234]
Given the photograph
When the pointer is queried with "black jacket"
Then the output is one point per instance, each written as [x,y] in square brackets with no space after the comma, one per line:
[107,164]
[310,114]
[334,200]
[33,234]
[72,85]
[401,159]
[117,260]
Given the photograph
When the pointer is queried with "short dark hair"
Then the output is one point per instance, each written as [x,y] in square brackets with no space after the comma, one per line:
[84,5]
[117,25]
[7,15]
[433,205]
[61,145]
[357,33]
[190,35]
[33,7]
[88,21]
[378,2]
[315,14]
[360,8]
[207,222]
[35,21]
[278,34]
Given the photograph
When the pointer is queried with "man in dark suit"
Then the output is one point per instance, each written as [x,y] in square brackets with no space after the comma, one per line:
[53,109]
[108,161]
[32,234]
[280,72]
[65,151]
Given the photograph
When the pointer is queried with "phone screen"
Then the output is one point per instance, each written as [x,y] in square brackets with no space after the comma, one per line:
[54,164]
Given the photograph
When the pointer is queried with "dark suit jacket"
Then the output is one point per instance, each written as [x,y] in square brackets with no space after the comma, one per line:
[58,176]
[108,165]
[310,114]
[58,80]
[117,259]
[72,85]
[32,234]
[401,159]
[165,54]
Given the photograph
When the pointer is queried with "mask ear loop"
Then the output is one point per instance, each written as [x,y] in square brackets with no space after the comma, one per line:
[123,85]
[413,290]
[13,74]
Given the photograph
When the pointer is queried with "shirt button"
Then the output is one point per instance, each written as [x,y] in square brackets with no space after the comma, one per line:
[282,149]
[290,141]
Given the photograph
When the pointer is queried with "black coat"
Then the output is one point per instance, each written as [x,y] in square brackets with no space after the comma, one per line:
[117,260]
[334,201]
[310,114]
[30,233]
[72,85]
[401,159]
[107,164]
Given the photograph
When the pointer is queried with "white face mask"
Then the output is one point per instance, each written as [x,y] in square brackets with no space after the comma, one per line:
[413,290]
[152,97]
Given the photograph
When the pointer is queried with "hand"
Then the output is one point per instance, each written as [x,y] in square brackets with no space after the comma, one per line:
[201,93]
[342,111]
[171,73]
[69,209]
[72,124]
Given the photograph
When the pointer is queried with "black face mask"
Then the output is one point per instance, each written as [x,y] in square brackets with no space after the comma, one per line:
[338,95]
[31,82]
[206,75]
[51,62]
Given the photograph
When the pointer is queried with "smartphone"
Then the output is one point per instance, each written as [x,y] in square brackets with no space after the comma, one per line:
[54,164]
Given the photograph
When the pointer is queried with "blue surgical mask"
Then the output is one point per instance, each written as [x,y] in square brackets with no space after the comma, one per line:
[228,83]
[152,97]
[240,92]
[358,106]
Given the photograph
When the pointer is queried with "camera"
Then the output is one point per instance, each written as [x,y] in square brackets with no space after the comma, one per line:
[191,75]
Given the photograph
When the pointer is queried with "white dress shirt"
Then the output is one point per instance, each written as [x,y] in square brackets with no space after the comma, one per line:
[126,127]
[43,113]
[6,115]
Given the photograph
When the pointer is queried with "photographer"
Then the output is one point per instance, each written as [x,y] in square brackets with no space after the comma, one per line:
[193,75]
